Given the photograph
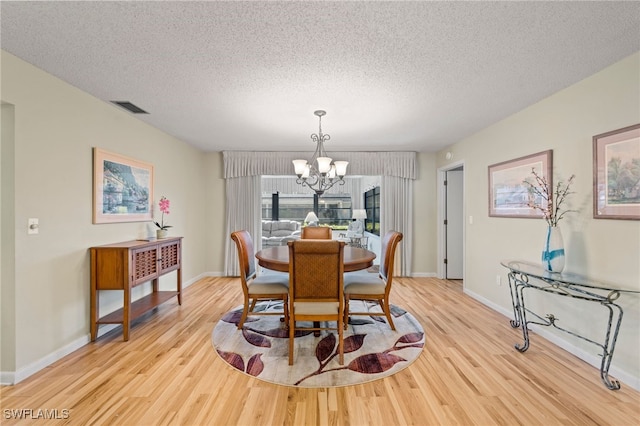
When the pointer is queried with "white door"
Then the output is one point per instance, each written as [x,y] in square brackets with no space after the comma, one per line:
[454,222]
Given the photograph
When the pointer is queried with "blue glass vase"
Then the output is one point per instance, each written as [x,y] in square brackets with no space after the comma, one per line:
[553,251]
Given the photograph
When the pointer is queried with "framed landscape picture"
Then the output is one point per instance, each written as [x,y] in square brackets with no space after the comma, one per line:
[122,188]
[616,174]
[509,196]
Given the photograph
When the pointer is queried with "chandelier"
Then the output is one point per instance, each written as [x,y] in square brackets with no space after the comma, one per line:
[323,176]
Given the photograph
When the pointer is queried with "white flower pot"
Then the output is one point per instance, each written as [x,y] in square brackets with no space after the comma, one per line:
[553,251]
[161,233]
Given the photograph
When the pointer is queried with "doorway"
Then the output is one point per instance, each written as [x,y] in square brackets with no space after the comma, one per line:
[451,222]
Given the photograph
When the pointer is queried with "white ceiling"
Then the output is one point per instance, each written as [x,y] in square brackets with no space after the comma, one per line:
[391,75]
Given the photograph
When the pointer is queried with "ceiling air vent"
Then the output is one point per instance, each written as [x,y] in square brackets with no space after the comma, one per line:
[130,107]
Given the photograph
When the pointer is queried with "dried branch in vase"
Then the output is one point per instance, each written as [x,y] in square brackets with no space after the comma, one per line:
[549,202]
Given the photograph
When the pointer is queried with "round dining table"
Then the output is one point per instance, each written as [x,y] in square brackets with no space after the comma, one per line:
[277,258]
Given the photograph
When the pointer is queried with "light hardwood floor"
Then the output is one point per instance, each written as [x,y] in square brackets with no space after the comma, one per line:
[468,374]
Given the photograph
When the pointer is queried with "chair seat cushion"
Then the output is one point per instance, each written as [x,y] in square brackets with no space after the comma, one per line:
[316,308]
[363,284]
[269,284]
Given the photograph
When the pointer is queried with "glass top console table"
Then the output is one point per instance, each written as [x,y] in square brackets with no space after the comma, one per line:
[527,275]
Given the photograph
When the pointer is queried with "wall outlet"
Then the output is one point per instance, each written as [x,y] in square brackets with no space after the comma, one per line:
[499,280]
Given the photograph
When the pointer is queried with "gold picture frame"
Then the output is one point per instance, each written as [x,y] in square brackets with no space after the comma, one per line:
[122,188]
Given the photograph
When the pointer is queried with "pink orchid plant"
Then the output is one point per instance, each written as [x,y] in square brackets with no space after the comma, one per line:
[164,208]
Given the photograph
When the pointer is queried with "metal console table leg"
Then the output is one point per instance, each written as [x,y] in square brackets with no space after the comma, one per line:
[523,276]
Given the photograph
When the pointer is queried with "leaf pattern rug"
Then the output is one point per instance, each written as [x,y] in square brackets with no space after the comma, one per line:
[371,349]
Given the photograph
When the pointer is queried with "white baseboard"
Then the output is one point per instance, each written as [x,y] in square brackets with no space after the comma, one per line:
[621,375]
[506,312]
[423,275]
[204,275]
[7,378]
[14,377]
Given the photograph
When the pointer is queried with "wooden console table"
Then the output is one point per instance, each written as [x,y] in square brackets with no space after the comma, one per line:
[526,275]
[122,266]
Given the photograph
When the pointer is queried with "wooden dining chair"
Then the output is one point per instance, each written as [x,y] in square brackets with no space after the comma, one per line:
[372,287]
[266,287]
[316,233]
[315,288]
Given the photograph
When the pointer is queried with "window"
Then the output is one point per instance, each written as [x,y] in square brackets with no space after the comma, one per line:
[372,206]
[333,210]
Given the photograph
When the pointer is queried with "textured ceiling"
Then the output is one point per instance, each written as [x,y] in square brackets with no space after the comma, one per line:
[391,75]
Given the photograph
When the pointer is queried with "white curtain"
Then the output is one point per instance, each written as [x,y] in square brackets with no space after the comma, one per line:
[250,163]
[244,201]
[357,201]
[396,213]
[288,185]
[242,170]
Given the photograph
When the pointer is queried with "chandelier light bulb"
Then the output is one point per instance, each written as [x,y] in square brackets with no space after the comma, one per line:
[324,164]
[341,167]
[300,166]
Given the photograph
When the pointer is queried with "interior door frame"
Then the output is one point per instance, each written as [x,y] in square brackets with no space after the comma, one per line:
[441,201]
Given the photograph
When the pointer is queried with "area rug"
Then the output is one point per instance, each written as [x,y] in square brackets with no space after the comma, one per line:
[371,349]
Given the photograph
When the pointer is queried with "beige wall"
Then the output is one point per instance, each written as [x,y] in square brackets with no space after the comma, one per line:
[214,226]
[56,126]
[607,250]
[425,209]
[7,255]
[45,291]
